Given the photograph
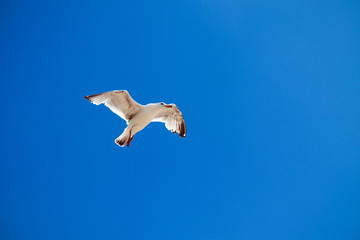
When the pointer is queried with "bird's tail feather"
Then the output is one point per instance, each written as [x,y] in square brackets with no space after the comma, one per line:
[123,139]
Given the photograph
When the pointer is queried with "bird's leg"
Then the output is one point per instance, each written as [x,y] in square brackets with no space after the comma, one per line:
[130,139]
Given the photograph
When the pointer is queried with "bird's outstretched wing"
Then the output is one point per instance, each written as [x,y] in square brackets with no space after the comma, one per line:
[119,101]
[173,120]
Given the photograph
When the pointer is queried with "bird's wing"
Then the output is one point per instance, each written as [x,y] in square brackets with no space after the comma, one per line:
[119,102]
[173,120]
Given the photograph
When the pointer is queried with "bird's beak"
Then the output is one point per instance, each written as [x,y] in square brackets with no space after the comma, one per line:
[168,106]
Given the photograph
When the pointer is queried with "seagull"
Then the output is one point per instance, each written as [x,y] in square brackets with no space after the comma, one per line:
[138,116]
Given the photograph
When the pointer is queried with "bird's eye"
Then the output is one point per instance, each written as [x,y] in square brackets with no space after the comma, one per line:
[162,103]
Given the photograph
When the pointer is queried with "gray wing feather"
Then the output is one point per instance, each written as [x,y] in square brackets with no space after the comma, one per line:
[119,101]
[173,119]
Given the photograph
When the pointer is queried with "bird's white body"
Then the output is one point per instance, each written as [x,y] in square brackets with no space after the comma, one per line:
[139,116]
[143,117]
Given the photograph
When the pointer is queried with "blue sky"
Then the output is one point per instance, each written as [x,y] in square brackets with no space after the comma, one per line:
[270,93]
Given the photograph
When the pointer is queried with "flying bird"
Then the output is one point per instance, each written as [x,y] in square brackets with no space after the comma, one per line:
[138,116]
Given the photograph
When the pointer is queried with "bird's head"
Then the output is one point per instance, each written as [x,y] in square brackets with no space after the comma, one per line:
[166,105]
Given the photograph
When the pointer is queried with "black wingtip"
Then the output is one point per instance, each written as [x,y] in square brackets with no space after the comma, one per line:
[182,132]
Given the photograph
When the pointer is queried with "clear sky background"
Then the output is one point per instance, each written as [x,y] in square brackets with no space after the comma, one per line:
[270,92]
